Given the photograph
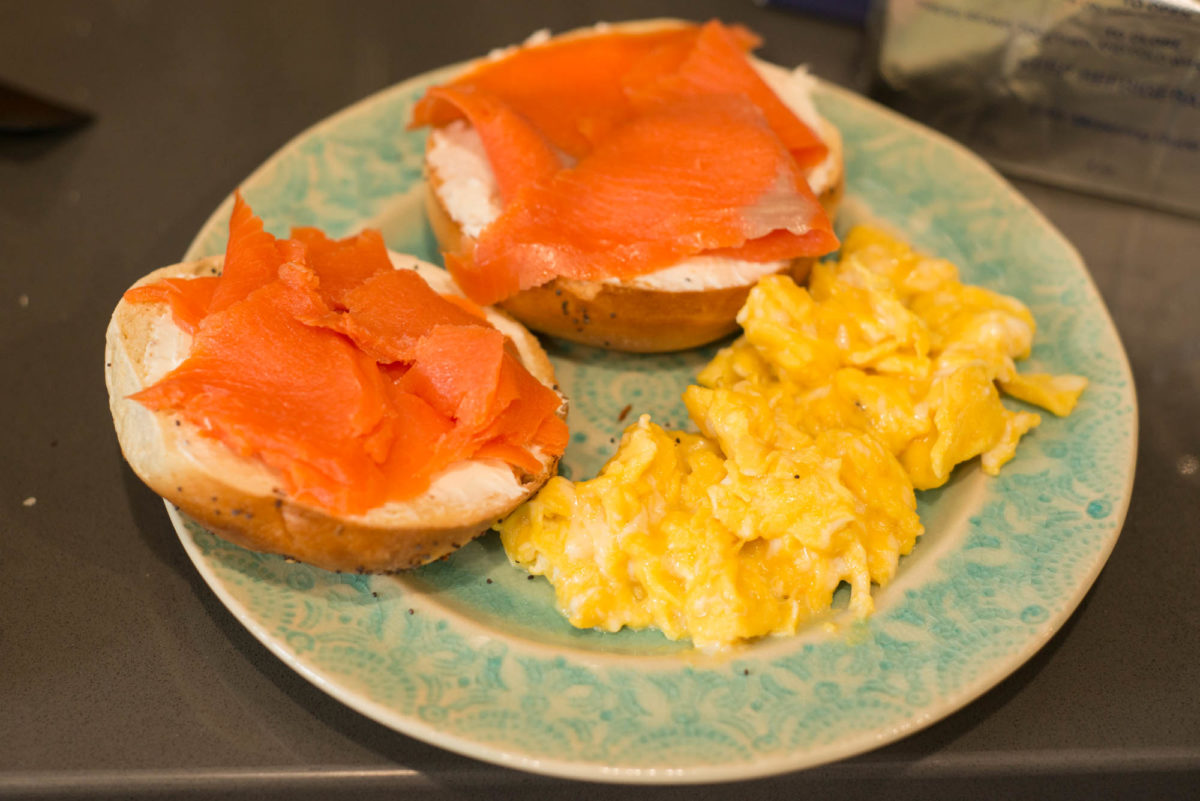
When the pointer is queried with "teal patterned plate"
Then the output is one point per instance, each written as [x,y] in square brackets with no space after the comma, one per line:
[469,655]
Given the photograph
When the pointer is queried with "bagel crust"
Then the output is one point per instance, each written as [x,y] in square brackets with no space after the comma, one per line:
[241,499]
[628,315]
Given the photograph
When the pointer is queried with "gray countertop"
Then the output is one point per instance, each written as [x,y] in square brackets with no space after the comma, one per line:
[121,674]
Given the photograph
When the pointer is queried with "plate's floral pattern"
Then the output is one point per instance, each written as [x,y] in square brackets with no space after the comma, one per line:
[468,654]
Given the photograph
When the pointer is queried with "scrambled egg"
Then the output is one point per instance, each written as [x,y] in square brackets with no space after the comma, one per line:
[815,427]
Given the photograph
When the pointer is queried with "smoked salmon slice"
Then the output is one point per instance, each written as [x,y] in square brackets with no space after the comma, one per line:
[341,265]
[298,397]
[676,147]
[463,392]
[528,404]
[519,154]
[659,189]
[499,407]
[419,447]
[388,315]
[252,258]
[353,380]
[188,298]
[714,64]
[568,89]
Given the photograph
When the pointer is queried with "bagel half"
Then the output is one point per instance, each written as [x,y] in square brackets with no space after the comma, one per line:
[241,500]
[635,315]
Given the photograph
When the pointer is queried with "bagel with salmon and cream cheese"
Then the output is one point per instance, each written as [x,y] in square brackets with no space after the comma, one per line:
[312,458]
[679,303]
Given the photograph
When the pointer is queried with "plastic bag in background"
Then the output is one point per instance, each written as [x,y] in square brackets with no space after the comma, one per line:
[1097,95]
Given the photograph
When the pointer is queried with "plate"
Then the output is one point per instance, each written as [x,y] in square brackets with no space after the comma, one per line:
[470,655]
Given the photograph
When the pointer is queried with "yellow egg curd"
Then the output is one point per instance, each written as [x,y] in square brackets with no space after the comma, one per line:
[815,427]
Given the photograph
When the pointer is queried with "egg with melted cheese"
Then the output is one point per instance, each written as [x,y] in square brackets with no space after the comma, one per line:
[815,427]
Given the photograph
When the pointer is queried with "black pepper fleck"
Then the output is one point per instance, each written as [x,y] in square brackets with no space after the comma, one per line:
[564,307]
[529,578]
[746,672]
[412,611]
[489,581]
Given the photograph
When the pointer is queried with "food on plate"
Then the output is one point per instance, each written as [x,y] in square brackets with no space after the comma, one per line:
[815,426]
[328,400]
[625,185]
